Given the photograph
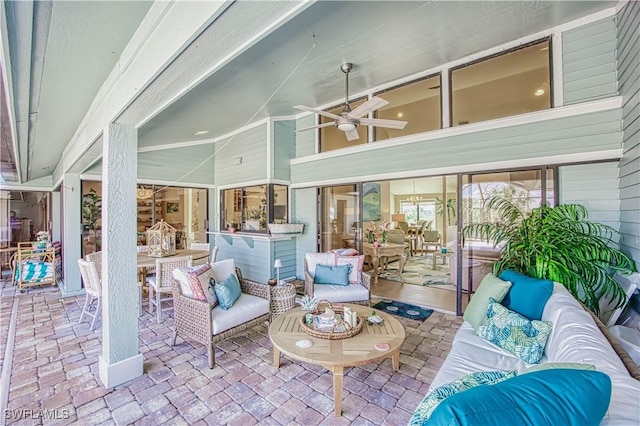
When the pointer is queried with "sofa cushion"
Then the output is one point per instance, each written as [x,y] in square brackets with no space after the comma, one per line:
[527,296]
[340,294]
[490,287]
[227,291]
[470,353]
[357,263]
[439,394]
[550,397]
[318,258]
[514,333]
[332,274]
[246,308]
[559,365]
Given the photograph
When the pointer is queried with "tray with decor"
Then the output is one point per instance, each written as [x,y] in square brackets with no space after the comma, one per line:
[329,323]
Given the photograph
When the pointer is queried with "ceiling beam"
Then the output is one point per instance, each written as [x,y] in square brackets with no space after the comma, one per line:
[41,23]
[8,84]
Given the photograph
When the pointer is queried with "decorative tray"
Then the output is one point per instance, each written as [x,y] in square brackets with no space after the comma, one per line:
[339,329]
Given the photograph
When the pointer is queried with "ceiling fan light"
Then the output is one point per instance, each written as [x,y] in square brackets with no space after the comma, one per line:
[346,127]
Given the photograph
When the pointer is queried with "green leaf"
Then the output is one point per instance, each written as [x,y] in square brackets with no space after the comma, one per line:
[557,243]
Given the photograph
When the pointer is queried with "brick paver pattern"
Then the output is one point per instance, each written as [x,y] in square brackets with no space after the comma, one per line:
[54,379]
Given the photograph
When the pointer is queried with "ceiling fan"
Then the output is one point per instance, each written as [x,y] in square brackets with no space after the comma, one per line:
[348,120]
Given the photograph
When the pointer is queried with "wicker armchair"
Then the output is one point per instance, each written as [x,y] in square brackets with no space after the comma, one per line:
[193,319]
[353,293]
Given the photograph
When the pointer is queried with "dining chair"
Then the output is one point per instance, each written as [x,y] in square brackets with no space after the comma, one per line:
[202,246]
[431,242]
[417,238]
[96,258]
[93,289]
[163,281]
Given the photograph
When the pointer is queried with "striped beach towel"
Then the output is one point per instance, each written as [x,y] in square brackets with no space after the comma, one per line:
[35,271]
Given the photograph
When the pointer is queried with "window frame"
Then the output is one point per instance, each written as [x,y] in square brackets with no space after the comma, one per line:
[239,194]
[547,39]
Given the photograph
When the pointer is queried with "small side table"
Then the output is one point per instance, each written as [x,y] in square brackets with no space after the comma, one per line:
[283,299]
[444,256]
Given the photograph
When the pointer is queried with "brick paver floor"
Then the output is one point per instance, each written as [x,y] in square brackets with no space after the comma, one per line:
[54,377]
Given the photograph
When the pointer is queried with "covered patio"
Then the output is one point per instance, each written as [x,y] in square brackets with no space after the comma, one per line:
[53,364]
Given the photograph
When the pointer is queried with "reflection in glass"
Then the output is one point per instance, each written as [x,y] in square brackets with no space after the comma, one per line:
[512,83]
[417,102]
[339,226]
[252,208]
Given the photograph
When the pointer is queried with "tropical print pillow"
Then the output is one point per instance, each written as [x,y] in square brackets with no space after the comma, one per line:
[515,333]
[439,394]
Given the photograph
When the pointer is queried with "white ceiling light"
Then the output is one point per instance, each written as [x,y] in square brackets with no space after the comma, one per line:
[201,132]
[346,126]
[539,92]
[400,115]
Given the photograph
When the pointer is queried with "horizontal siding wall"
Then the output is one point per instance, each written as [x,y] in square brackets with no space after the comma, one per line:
[305,141]
[284,136]
[628,36]
[595,186]
[252,256]
[304,209]
[589,62]
[285,251]
[192,164]
[577,134]
[251,146]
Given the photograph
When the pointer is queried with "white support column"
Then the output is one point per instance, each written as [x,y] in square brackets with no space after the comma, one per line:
[120,360]
[56,217]
[72,238]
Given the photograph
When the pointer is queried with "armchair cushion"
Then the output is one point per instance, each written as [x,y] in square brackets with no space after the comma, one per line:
[223,268]
[340,293]
[181,275]
[227,291]
[314,259]
[246,308]
[357,263]
[330,274]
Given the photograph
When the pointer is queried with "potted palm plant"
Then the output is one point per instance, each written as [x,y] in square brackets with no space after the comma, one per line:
[557,243]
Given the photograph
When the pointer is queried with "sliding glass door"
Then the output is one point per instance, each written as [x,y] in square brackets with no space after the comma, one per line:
[524,188]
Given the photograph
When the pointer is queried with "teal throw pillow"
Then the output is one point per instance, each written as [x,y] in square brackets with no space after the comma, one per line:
[527,296]
[549,397]
[439,394]
[514,333]
[490,287]
[227,291]
[332,274]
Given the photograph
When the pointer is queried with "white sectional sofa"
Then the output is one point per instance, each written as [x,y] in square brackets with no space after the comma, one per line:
[575,338]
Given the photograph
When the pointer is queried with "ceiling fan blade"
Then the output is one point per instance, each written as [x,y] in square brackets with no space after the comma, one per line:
[381,122]
[352,135]
[317,111]
[318,126]
[371,105]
